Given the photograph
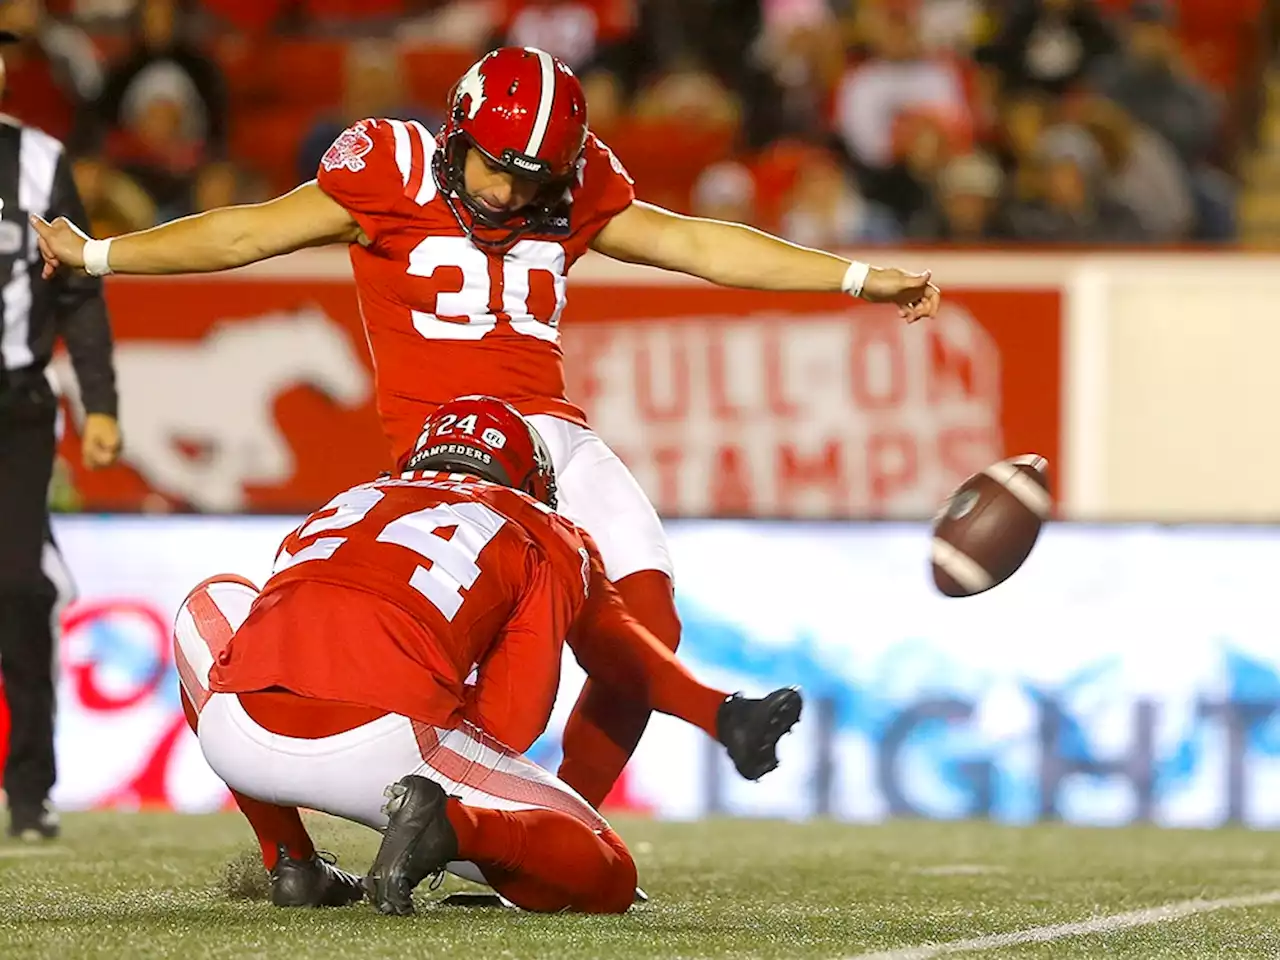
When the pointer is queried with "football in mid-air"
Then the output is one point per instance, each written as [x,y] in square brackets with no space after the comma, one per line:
[987,527]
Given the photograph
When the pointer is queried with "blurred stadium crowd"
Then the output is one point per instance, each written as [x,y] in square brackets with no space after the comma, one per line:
[832,122]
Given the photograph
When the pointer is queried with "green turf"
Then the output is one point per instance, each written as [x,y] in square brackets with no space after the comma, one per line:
[152,885]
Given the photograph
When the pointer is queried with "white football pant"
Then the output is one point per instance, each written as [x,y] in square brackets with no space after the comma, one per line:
[599,494]
[345,774]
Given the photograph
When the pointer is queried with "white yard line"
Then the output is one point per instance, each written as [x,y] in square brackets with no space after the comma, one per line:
[1059,931]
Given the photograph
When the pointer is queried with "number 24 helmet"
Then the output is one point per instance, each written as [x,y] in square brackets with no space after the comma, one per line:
[488,438]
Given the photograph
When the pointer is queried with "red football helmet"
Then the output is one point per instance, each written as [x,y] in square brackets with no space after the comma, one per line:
[526,112]
[488,438]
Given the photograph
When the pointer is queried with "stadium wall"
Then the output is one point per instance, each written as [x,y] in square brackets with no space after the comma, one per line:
[1127,673]
[1148,380]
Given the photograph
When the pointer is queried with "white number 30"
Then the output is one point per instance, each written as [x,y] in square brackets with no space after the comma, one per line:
[462,310]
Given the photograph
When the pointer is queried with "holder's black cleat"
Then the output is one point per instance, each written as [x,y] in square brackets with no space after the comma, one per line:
[418,842]
[317,882]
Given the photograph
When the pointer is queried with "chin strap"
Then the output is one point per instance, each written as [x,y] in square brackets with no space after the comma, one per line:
[452,191]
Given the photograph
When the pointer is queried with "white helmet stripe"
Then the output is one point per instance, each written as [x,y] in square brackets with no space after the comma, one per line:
[546,97]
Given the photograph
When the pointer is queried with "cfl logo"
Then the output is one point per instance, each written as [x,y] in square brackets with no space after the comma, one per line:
[494,438]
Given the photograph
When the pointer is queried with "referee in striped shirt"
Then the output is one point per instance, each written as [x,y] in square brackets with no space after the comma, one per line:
[35,178]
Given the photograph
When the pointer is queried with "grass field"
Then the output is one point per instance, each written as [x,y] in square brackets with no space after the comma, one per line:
[155,885]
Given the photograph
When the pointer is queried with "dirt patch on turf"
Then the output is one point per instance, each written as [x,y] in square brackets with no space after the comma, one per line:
[245,879]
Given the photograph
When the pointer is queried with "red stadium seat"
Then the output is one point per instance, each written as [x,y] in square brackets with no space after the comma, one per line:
[430,72]
[251,16]
[665,157]
[353,9]
[299,72]
[267,140]
[309,71]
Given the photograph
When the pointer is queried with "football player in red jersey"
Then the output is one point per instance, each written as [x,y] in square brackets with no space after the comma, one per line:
[345,679]
[460,245]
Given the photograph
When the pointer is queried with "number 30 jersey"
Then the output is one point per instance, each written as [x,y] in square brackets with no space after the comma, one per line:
[445,318]
[440,575]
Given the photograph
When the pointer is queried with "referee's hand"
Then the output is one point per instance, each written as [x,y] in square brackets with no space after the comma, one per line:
[100,440]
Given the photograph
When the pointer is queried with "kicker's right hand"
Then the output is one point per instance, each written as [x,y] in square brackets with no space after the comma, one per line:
[61,244]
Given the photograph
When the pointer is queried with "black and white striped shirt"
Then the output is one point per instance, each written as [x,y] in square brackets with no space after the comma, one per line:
[35,178]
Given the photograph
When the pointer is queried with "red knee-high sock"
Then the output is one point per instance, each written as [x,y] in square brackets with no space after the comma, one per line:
[272,825]
[606,723]
[544,860]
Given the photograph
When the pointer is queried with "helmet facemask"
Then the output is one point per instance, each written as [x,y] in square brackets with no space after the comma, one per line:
[449,166]
[541,482]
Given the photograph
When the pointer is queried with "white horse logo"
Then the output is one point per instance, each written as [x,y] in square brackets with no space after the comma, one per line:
[219,393]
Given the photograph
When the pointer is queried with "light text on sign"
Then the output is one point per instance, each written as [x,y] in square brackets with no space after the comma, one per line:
[820,415]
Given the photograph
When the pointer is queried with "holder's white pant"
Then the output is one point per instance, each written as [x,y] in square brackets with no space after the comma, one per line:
[347,773]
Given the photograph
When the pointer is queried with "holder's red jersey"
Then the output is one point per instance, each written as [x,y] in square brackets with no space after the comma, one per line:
[465,565]
[443,317]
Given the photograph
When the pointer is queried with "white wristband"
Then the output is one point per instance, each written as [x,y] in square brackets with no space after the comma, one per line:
[855,277]
[96,253]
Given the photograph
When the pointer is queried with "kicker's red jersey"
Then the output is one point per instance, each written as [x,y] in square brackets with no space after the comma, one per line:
[445,318]
[437,573]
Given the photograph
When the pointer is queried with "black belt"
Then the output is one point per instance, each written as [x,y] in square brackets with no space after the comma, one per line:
[30,375]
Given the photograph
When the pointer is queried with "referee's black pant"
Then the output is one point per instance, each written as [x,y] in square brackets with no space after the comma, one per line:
[31,578]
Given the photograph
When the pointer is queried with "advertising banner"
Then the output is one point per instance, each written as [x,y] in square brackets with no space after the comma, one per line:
[257,394]
[736,403]
[1127,673]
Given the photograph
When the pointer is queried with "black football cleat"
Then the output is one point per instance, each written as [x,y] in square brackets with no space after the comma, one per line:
[750,729]
[313,883]
[419,841]
[31,824]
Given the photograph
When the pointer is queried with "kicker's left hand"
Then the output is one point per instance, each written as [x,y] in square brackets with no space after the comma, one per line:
[915,294]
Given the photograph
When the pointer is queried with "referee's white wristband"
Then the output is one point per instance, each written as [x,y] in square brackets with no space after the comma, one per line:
[855,277]
[96,253]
